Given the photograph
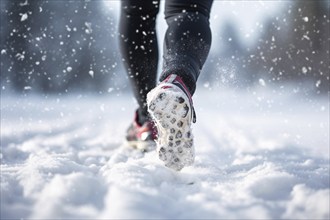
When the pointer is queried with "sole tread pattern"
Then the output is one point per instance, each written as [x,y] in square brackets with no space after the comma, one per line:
[171,112]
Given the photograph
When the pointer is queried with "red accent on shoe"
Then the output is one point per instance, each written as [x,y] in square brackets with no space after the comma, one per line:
[173,78]
[166,87]
[145,132]
[177,80]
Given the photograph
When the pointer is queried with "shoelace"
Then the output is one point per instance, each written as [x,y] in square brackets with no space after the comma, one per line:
[193,115]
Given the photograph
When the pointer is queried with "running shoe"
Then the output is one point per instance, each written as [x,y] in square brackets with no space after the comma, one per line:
[141,136]
[171,107]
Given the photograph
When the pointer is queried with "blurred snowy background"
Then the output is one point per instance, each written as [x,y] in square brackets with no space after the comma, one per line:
[64,46]
[262,104]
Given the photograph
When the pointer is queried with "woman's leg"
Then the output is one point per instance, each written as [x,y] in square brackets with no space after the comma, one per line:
[187,40]
[138,45]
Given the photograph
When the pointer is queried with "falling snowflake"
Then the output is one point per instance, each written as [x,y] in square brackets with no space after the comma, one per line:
[91,73]
[262,82]
[304,70]
[24,17]
[20,56]
[88,28]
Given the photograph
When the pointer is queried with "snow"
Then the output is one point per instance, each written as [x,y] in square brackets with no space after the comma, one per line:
[259,154]
[262,82]
[91,73]
[24,16]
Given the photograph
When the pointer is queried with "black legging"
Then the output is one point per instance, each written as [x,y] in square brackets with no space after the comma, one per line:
[186,45]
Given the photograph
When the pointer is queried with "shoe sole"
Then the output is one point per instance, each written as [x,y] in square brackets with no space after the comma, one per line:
[171,111]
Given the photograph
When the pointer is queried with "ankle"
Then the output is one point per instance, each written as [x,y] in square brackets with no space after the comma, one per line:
[141,117]
[187,81]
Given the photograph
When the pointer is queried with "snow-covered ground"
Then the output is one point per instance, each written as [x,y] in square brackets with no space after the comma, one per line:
[261,154]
